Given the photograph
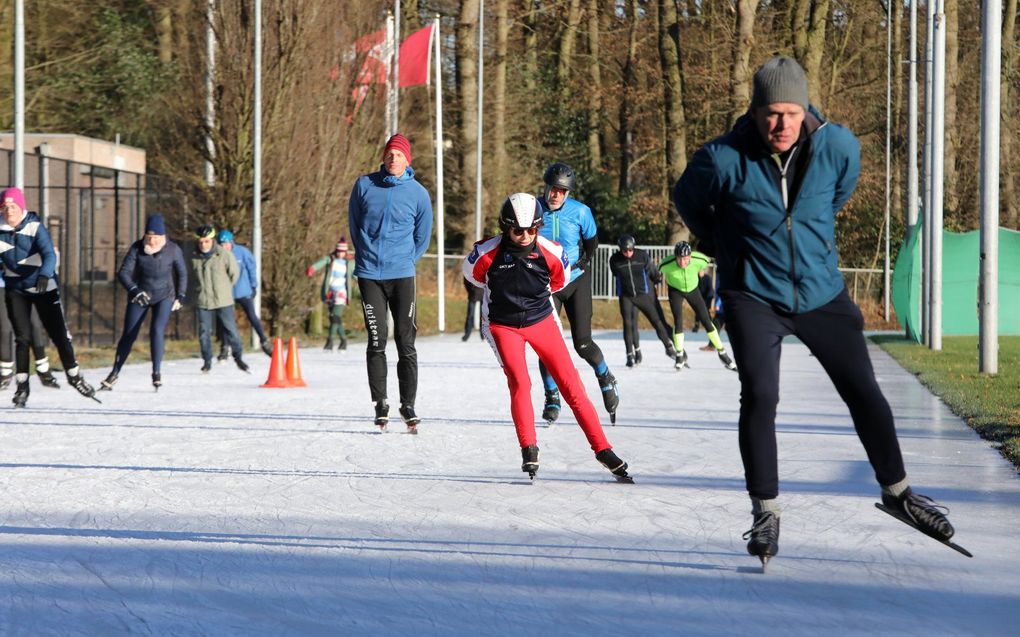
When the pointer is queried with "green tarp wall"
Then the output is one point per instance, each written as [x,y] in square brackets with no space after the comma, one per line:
[961,268]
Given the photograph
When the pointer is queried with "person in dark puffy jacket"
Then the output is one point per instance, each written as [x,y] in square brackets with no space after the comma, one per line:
[29,269]
[156,280]
[763,198]
[636,278]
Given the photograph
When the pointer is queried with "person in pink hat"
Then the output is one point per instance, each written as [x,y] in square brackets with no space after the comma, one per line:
[335,291]
[29,270]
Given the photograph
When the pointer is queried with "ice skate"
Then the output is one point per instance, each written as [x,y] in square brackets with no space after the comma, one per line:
[610,393]
[108,383]
[157,382]
[551,411]
[670,352]
[78,382]
[223,356]
[243,366]
[529,460]
[328,347]
[727,362]
[922,513]
[267,347]
[21,394]
[382,414]
[608,459]
[637,356]
[5,380]
[630,360]
[410,418]
[681,361]
[763,537]
[206,366]
[48,379]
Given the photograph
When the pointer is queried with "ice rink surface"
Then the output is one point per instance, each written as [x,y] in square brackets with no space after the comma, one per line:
[218,508]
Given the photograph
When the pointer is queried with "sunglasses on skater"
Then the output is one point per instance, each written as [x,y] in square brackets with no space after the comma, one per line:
[520,232]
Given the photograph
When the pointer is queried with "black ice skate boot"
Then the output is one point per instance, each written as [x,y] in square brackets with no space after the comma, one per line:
[382,414]
[410,418]
[763,537]
[681,361]
[241,365]
[206,366]
[529,460]
[78,382]
[21,394]
[267,348]
[48,379]
[551,410]
[224,355]
[5,380]
[925,514]
[637,356]
[727,362]
[608,459]
[328,347]
[670,352]
[630,359]
[108,383]
[610,392]
[157,380]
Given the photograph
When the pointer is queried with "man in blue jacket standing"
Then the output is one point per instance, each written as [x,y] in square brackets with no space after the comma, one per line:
[244,292]
[390,216]
[764,198]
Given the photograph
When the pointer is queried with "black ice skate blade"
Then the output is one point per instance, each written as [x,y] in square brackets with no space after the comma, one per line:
[612,418]
[96,399]
[904,519]
[624,479]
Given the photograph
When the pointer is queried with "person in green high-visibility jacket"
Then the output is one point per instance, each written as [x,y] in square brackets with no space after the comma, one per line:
[682,271]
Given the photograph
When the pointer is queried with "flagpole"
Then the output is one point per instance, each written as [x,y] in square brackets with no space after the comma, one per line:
[256,207]
[478,160]
[396,67]
[19,94]
[440,212]
[390,90]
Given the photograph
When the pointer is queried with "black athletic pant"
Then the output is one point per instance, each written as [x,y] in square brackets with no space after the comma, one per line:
[576,297]
[398,297]
[834,335]
[648,304]
[676,306]
[39,340]
[47,304]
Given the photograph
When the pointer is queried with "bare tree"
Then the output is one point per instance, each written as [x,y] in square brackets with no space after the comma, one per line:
[1010,76]
[567,39]
[952,138]
[595,115]
[627,99]
[673,106]
[499,172]
[740,70]
[467,89]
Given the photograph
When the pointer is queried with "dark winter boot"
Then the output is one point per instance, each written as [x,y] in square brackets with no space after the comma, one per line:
[529,460]
[929,516]
[107,385]
[763,538]
[727,361]
[48,379]
[21,394]
[78,382]
[410,418]
[382,414]
[157,381]
[608,459]
[551,411]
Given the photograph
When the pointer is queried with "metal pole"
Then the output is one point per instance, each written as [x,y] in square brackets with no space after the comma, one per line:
[44,183]
[938,170]
[396,67]
[991,50]
[19,94]
[257,168]
[912,197]
[926,237]
[210,82]
[478,150]
[888,150]
[440,211]
[116,255]
[390,102]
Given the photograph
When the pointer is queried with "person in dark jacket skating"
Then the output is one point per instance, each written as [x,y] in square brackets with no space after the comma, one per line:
[636,278]
[764,199]
[29,270]
[156,280]
[520,270]
[391,225]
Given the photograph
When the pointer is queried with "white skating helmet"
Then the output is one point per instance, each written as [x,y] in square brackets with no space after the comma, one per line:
[520,211]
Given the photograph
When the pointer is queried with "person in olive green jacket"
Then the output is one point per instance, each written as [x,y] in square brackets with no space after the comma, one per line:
[682,272]
[336,290]
[216,272]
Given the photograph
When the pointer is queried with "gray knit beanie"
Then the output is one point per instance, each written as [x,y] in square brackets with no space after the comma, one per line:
[780,79]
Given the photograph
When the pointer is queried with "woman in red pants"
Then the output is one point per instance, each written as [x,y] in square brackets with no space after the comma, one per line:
[520,271]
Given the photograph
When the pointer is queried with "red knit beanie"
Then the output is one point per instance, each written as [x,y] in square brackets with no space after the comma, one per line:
[399,142]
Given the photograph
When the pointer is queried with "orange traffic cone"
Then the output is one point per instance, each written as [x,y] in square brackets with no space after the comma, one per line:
[277,371]
[294,365]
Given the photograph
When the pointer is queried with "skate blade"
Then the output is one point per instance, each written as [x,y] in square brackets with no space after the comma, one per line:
[765,563]
[412,429]
[382,427]
[96,399]
[904,519]
[612,418]
[624,479]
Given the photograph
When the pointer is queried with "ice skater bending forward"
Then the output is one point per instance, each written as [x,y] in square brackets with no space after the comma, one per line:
[519,271]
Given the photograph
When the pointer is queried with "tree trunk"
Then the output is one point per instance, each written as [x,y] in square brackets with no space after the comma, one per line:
[567,42]
[627,99]
[530,21]
[165,32]
[1010,76]
[899,124]
[799,12]
[675,120]
[812,60]
[467,84]
[499,172]
[952,140]
[595,140]
[410,16]
[740,70]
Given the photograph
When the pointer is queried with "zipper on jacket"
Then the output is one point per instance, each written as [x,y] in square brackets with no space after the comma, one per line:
[784,188]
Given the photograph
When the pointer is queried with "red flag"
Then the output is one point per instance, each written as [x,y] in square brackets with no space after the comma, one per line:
[374,68]
[414,58]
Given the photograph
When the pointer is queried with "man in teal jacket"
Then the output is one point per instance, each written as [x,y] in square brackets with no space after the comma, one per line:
[764,197]
[391,225]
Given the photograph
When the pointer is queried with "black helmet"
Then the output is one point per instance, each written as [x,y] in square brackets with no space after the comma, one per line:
[682,249]
[559,175]
[520,210]
[626,242]
[205,231]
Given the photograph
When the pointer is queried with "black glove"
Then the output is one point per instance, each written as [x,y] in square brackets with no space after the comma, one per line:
[41,283]
[141,298]
[582,264]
